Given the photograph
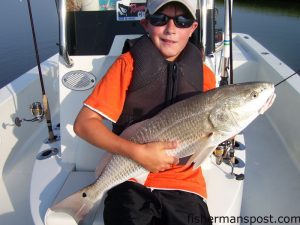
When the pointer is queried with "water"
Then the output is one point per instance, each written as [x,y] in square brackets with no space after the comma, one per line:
[16,44]
[275,26]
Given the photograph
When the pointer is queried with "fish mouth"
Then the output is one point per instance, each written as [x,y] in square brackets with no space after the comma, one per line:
[268,104]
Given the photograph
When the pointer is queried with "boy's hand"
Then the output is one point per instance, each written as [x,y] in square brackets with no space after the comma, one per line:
[153,157]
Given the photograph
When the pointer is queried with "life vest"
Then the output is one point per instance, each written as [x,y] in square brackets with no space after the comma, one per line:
[158,83]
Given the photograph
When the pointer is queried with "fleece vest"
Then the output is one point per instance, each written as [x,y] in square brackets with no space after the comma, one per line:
[158,83]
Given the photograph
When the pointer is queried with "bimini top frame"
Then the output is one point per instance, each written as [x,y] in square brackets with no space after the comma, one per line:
[62,11]
[90,31]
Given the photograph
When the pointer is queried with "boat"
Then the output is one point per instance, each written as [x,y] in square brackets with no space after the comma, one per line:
[257,181]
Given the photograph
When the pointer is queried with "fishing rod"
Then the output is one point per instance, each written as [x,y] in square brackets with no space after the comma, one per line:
[230,39]
[56,4]
[227,62]
[285,79]
[197,35]
[51,137]
[210,28]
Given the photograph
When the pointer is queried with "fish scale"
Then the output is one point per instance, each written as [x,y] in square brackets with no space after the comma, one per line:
[129,170]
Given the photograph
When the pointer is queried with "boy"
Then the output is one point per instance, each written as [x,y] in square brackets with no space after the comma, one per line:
[161,68]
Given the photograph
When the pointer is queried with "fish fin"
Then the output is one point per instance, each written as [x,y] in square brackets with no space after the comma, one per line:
[73,208]
[185,156]
[105,159]
[141,178]
[204,154]
[57,218]
[202,151]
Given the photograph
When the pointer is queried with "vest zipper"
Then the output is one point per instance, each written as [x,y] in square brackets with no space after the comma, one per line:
[171,80]
[169,85]
[174,82]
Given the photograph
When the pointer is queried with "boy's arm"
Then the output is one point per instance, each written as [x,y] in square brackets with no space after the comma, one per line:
[90,127]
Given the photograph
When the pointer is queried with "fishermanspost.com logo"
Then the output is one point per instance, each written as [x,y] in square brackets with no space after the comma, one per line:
[270,219]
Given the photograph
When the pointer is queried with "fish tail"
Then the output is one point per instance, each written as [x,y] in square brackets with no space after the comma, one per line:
[82,212]
[71,210]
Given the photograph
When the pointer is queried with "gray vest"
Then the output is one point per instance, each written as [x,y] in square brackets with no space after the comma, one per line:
[157,83]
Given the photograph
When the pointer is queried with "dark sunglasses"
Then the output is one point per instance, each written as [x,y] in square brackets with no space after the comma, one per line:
[159,19]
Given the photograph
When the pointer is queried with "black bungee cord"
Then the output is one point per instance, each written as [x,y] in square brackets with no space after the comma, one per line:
[297,71]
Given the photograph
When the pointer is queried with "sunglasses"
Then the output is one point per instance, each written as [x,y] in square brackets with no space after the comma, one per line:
[160,19]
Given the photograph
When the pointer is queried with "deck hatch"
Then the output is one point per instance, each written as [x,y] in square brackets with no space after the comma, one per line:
[78,80]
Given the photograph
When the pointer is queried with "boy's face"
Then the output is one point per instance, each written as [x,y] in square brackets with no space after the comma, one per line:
[169,39]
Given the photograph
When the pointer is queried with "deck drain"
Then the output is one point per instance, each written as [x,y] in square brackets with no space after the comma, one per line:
[78,80]
[265,53]
[45,154]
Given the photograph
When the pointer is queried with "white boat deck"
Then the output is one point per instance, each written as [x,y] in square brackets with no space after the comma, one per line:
[272,180]
[19,145]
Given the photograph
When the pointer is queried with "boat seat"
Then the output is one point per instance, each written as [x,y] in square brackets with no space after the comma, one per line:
[75,150]
[75,181]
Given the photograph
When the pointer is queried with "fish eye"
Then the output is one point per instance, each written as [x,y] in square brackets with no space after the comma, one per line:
[254,94]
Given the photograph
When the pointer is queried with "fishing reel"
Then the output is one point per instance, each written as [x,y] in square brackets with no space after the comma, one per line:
[36,110]
[225,152]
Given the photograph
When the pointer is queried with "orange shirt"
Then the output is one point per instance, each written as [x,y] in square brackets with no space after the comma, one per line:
[108,99]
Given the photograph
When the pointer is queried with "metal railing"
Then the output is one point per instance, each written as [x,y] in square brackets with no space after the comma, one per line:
[63,52]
